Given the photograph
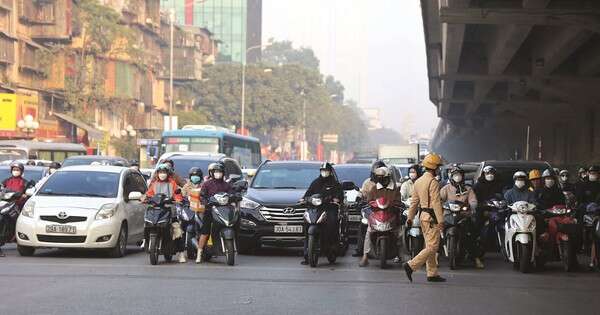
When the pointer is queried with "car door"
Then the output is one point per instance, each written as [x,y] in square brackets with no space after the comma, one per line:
[139,184]
[135,217]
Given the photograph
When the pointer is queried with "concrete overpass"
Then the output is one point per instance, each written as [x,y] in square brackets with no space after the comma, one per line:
[498,68]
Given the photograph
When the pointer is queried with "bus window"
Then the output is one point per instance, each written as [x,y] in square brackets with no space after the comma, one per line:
[59,156]
[242,155]
[256,156]
[45,155]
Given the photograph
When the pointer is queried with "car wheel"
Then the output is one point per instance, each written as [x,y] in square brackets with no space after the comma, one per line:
[120,248]
[25,251]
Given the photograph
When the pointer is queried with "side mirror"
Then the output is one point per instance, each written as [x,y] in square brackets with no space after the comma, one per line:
[30,191]
[349,185]
[134,195]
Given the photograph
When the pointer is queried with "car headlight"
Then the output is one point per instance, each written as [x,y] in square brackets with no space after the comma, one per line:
[106,211]
[248,204]
[28,209]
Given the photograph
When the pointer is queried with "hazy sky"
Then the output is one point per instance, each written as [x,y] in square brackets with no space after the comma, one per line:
[376,48]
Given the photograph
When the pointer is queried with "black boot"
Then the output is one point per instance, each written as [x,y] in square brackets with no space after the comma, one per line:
[408,271]
[436,279]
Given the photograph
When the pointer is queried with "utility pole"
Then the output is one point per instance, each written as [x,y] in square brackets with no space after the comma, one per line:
[171,18]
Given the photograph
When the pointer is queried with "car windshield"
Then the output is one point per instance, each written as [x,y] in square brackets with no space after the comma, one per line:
[505,173]
[285,176]
[75,162]
[82,183]
[355,174]
[29,174]
[182,166]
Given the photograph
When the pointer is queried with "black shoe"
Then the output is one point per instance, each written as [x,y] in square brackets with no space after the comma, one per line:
[304,262]
[408,271]
[436,279]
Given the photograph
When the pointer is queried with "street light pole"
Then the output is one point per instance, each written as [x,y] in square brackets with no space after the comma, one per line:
[243,118]
[172,27]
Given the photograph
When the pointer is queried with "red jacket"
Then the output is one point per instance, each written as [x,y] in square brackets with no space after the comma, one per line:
[17,184]
[176,196]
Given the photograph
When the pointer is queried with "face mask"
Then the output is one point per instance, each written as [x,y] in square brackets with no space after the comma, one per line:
[412,175]
[564,178]
[218,175]
[16,173]
[457,178]
[489,177]
[593,177]
[195,179]
[325,174]
[549,183]
[520,183]
[162,176]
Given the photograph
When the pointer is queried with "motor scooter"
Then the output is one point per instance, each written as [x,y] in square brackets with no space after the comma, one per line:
[455,232]
[383,221]
[494,215]
[315,219]
[520,239]
[413,236]
[562,238]
[9,211]
[158,234]
[591,225]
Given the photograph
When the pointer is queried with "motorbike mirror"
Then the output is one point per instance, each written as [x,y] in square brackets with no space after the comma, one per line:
[30,191]
[349,185]
[241,185]
[134,195]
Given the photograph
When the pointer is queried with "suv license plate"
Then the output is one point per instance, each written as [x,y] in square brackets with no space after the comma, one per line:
[354,217]
[64,229]
[288,228]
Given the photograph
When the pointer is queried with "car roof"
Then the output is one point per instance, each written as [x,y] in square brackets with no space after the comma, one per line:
[173,155]
[352,165]
[93,168]
[515,163]
[295,162]
[95,157]
[27,167]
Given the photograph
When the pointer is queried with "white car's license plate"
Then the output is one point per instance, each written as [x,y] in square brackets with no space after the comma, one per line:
[64,229]
[288,228]
[354,217]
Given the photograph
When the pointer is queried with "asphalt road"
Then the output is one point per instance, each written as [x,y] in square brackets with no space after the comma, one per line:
[274,282]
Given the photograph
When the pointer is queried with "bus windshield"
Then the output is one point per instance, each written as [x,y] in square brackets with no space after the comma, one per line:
[189,144]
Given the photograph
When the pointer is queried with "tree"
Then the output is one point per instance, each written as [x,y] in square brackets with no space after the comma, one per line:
[283,53]
[335,89]
[191,118]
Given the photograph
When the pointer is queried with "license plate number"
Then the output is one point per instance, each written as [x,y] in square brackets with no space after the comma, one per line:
[288,229]
[64,229]
[354,217]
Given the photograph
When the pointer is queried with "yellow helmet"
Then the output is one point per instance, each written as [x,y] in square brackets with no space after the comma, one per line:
[535,174]
[432,161]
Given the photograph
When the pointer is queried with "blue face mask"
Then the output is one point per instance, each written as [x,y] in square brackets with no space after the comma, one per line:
[195,179]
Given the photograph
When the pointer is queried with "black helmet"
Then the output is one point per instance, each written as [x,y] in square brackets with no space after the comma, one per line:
[54,165]
[17,165]
[456,169]
[134,163]
[31,162]
[218,166]
[377,164]
[594,168]
[326,166]
[196,171]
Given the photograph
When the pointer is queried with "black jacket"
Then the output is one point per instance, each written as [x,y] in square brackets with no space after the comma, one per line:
[587,191]
[485,190]
[546,197]
[327,187]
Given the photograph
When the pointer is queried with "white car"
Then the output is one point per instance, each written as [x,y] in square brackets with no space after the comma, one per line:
[94,207]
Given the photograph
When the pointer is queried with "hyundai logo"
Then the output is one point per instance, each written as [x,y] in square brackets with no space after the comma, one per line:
[62,215]
[289,211]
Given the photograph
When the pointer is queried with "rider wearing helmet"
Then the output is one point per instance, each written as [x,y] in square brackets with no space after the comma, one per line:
[163,183]
[407,188]
[328,186]
[457,190]
[134,165]
[53,167]
[535,178]
[195,179]
[215,184]
[589,191]
[488,185]
[563,179]
[16,183]
[550,194]
[520,191]
[180,181]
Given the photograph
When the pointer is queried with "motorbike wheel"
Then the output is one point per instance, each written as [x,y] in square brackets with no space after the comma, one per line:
[229,252]
[383,253]
[524,257]
[313,256]
[569,257]
[153,249]
[451,243]
[25,251]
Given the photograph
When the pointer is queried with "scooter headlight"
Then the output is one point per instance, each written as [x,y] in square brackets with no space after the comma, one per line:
[454,207]
[316,201]
[28,209]
[222,199]
[8,195]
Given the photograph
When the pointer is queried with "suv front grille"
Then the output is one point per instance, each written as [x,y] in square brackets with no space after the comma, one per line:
[279,215]
[71,219]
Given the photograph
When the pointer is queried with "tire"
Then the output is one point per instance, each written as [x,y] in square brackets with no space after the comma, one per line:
[313,256]
[191,249]
[168,258]
[569,256]
[524,257]
[153,249]
[229,252]
[25,251]
[120,248]
[452,251]
[383,253]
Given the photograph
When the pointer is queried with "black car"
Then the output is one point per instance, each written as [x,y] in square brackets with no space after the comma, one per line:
[356,173]
[95,159]
[506,169]
[270,212]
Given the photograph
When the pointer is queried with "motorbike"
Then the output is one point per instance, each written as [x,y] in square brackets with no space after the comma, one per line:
[520,239]
[561,240]
[315,218]
[494,218]
[158,233]
[591,224]
[413,236]
[9,211]
[187,219]
[455,233]
[383,221]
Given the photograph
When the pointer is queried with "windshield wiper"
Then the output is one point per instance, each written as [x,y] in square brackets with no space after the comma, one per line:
[71,194]
[284,187]
[90,195]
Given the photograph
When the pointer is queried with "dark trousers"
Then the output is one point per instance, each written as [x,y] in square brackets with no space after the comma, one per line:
[330,234]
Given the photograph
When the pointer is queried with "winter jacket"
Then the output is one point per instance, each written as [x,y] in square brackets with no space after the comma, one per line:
[519,194]
[587,191]
[450,193]
[325,186]
[486,190]
[546,197]
[407,189]
[212,187]
[370,192]
[168,187]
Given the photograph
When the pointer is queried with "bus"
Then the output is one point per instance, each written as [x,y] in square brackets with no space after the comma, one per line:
[213,139]
[34,150]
